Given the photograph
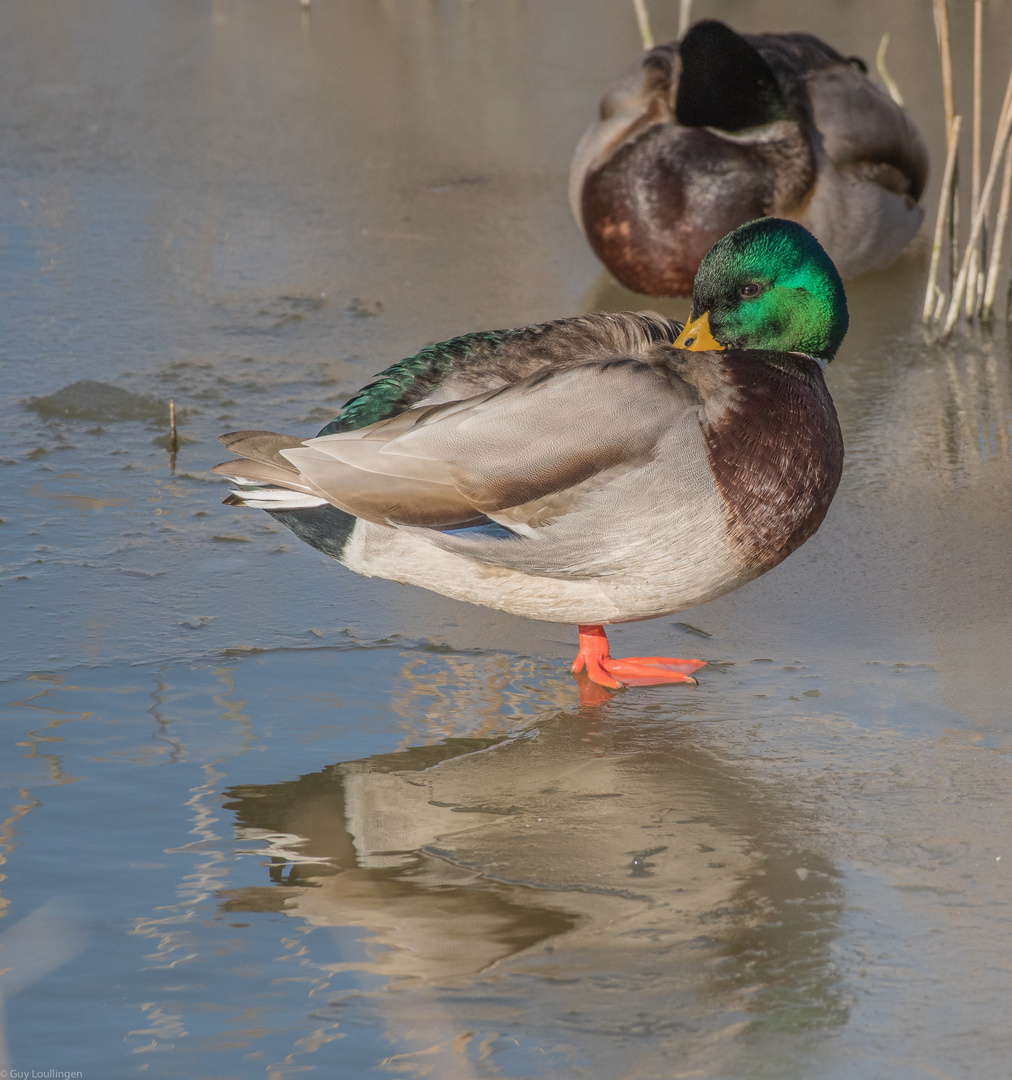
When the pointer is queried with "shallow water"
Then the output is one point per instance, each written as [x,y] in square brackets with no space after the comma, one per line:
[260,816]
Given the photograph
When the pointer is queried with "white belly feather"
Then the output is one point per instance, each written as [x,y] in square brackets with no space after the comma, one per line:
[683,560]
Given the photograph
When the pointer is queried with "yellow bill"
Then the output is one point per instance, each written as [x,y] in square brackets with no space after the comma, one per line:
[697,337]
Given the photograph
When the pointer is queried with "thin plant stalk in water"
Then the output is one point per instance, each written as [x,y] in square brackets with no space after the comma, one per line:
[940,10]
[684,17]
[944,204]
[1001,224]
[972,292]
[972,288]
[887,79]
[643,19]
[972,246]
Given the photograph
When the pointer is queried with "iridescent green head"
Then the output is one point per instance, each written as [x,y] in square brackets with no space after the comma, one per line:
[769,285]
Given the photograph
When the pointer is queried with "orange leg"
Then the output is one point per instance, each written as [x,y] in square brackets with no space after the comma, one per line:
[630,670]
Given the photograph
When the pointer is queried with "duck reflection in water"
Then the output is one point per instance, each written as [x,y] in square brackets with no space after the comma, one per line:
[513,884]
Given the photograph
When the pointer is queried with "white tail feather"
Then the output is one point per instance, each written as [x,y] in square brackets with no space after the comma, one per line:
[261,497]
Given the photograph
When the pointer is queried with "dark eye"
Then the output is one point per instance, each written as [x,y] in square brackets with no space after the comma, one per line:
[689,341]
[752,289]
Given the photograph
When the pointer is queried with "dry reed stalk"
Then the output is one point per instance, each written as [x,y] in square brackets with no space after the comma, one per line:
[684,17]
[173,437]
[940,9]
[643,18]
[941,12]
[887,79]
[971,279]
[981,276]
[977,226]
[972,293]
[1006,107]
[944,201]
[954,226]
[996,153]
[993,269]
[978,68]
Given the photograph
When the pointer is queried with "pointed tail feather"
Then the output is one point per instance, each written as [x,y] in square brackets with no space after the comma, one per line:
[266,486]
[259,445]
[248,472]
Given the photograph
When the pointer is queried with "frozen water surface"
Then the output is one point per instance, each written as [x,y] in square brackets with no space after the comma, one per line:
[260,817]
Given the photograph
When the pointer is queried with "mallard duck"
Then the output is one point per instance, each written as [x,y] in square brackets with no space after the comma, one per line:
[598,469]
[720,128]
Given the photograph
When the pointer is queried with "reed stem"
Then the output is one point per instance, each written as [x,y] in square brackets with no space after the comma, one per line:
[994,267]
[954,226]
[684,17]
[887,79]
[643,18]
[173,437]
[944,208]
[978,57]
[941,11]
[972,295]
[977,226]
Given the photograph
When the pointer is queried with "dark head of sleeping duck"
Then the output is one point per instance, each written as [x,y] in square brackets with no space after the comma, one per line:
[600,469]
[721,128]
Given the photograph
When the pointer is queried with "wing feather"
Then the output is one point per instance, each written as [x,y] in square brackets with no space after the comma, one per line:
[863,128]
[263,472]
[511,448]
[259,445]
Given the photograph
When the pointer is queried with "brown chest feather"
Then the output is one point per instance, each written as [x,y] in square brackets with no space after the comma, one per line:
[776,452]
[661,200]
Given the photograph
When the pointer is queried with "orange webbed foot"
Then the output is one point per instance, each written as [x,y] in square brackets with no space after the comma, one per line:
[617,672]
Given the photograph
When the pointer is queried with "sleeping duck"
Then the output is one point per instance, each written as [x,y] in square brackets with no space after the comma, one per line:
[720,128]
[599,469]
